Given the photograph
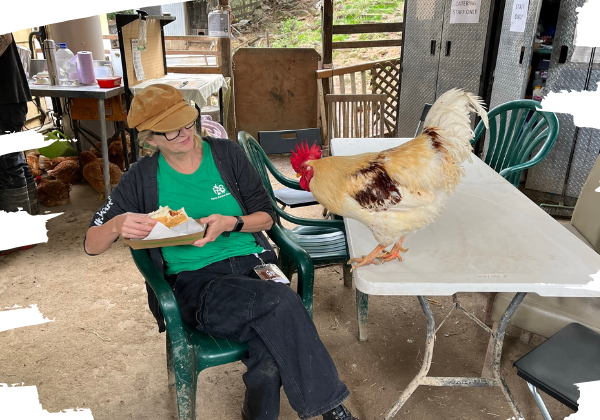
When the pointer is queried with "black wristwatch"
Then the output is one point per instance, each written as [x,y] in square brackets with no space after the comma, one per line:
[239,224]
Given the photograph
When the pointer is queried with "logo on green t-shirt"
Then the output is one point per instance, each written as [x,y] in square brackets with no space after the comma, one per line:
[220,191]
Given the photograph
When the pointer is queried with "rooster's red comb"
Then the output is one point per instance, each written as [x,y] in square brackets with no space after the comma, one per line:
[304,153]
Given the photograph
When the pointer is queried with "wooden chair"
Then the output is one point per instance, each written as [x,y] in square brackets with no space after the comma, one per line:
[355,116]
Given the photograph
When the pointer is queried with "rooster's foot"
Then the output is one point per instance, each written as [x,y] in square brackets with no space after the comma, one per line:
[394,252]
[373,258]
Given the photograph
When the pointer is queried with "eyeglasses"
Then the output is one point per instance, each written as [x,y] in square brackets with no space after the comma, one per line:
[172,135]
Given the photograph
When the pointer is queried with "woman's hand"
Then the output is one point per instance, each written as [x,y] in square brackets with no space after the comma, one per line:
[217,224]
[133,225]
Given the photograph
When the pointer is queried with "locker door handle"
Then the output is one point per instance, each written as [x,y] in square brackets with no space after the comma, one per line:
[562,58]
[448,45]
[522,55]
[432,47]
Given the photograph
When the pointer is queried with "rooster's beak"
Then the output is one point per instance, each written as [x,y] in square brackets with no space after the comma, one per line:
[298,175]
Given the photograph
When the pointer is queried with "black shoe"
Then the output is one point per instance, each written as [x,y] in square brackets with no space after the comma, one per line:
[245,410]
[339,413]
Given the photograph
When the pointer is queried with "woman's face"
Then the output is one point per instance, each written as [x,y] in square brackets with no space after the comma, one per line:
[181,144]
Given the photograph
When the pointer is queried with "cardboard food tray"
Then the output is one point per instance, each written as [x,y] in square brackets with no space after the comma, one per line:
[166,242]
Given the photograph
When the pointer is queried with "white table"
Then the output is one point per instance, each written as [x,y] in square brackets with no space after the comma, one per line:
[198,89]
[489,238]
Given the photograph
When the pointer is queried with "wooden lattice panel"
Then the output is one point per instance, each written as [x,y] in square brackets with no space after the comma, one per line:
[385,78]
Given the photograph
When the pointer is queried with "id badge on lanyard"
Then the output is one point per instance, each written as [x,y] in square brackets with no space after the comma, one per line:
[270,272]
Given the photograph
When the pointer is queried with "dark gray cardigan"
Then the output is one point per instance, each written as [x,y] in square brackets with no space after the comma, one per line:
[137,192]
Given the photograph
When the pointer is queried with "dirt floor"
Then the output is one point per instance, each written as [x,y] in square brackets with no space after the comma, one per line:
[103,350]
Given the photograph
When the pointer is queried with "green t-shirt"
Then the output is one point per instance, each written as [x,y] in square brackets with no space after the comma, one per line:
[202,193]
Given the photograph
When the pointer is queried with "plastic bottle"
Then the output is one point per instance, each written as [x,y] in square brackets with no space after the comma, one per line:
[72,73]
[142,30]
[63,55]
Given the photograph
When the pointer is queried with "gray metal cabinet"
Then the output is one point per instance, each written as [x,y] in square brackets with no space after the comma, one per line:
[571,159]
[566,167]
[438,56]
[514,56]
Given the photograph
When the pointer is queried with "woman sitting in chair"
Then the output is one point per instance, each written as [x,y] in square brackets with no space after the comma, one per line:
[214,281]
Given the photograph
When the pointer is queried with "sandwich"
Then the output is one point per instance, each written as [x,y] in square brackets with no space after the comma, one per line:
[169,218]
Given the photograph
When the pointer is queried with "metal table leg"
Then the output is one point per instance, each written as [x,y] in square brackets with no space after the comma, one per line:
[78,145]
[134,144]
[422,379]
[362,311]
[104,142]
[121,127]
[221,107]
[538,399]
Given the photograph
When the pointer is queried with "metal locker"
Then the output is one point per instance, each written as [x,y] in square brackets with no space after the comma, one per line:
[422,38]
[574,147]
[462,50]
[437,56]
[514,58]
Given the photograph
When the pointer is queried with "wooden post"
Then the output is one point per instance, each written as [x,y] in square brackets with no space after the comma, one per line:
[226,47]
[327,33]
[327,63]
[227,71]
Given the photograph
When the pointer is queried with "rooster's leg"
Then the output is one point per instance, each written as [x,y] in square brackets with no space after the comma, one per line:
[394,252]
[369,259]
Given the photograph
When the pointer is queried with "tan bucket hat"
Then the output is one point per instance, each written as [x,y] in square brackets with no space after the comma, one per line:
[160,108]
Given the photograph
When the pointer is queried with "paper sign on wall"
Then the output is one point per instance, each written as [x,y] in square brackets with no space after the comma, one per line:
[465,11]
[137,61]
[518,17]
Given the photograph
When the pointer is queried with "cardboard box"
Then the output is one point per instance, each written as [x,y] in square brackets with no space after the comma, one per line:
[87,108]
[166,242]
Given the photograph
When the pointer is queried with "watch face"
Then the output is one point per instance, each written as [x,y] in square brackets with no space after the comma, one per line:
[239,224]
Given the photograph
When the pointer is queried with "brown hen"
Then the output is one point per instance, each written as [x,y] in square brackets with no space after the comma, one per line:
[52,193]
[34,165]
[66,172]
[115,151]
[92,172]
[48,164]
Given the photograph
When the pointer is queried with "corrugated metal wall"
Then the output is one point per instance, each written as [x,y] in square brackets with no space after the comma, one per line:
[152,10]
[180,25]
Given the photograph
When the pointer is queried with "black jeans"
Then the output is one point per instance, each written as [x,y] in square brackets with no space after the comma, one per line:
[14,171]
[228,300]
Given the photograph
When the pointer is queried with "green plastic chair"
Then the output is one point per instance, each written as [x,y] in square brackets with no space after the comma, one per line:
[322,241]
[195,351]
[513,137]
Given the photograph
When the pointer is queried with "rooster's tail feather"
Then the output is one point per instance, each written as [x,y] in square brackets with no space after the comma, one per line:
[450,117]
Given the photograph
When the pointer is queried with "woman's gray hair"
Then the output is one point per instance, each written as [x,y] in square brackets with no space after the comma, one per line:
[147,148]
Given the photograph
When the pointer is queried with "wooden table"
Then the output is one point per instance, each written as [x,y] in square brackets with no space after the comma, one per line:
[489,238]
[95,92]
